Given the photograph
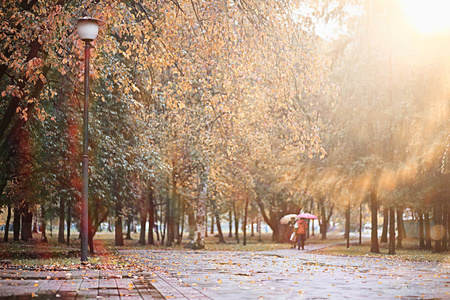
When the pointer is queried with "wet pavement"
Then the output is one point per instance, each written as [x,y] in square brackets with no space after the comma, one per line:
[278,274]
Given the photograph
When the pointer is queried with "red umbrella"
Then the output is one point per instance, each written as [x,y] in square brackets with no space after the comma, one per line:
[306,216]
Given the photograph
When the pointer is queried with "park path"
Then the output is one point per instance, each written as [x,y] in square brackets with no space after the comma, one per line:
[291,274]
[278,274]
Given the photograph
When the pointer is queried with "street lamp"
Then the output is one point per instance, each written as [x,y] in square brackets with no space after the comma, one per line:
[87,29]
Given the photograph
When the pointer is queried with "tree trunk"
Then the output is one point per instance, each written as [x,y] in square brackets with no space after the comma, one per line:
[244,225]
[252,228]
[129,223]
[392,231]
[400,230]
[158,227]
[236,225]
[206,221]
[384,233]
[445,226]
[347,225]
[311,209]
[151,214]
[143,213]
[35,224]
[219,229]
[118,241]
[421,233]
[323,224]
[69,222]
[427,232]
[43,225]
[437,214]
[374,247]
[230,224]
[212,224]
[181,226]
[62,214]
[172,211]
[91,239]
[259,227]
[191,224]
[360,224]
[199,241]
[27,221]
[8,220]
[16,222]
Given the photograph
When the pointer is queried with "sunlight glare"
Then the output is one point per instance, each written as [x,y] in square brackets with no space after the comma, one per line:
[428,16]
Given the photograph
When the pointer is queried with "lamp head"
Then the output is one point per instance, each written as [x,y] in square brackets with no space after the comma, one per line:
[87,28]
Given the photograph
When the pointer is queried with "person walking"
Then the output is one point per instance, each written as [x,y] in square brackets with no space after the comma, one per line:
[300,231]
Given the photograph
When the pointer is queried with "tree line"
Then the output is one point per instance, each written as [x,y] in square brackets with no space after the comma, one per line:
[223,108]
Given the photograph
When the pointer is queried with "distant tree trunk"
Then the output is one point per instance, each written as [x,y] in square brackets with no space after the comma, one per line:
[360,224]
[259,227]
[170,218]
[219,229]
[91,238]
[159,236]
[374,247]
[244,225]
[43,225]
[171,208]
[212,224]
[445,221]
[400,229]
[118,241]
[437,214]
[151,214]
[181,227]
[311,209]
[427,232]
[347,225]
[325,219]
[236,224]
[35,224]
[16,222]
[206,221]
[252,233]
[27,222]
[199,241]
[69,222]
[384,233]
[421,233]
[8,220]
[143,212]
[191,223]
[129,222]
[392,231]
[62,214]
[230,224]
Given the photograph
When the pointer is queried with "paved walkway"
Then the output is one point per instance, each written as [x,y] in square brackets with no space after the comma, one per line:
[74,284]
[279,274]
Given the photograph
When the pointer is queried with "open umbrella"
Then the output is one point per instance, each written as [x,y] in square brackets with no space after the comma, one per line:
[287,218]
[306,216]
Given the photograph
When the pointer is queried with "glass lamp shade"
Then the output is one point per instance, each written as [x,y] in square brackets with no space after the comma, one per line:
[87,28]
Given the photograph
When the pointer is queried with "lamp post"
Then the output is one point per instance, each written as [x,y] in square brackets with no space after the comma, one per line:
[87,29]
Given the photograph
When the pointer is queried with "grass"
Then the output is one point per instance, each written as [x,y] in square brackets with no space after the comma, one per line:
[53,255]
[408,252]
